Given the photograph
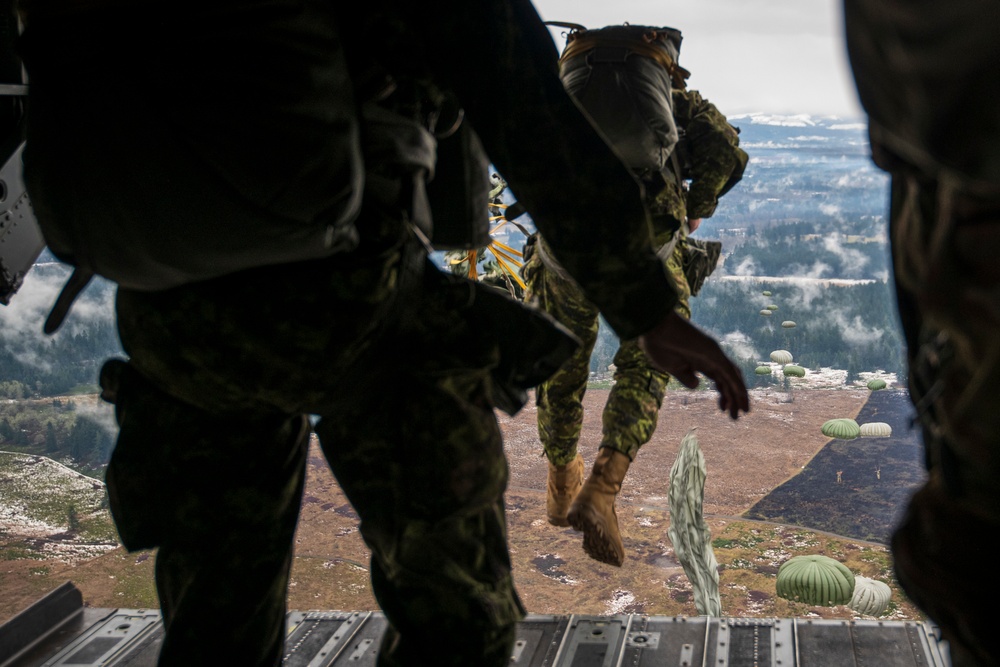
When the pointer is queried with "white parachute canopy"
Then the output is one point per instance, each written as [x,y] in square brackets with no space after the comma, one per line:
[871,597]
[781,357]
[876,430]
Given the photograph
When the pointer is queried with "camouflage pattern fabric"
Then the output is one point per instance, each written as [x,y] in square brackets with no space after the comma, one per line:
[633,405]
[715,162]
[934,129]
[221,547]
[631,412]
[439,559]
[944,256]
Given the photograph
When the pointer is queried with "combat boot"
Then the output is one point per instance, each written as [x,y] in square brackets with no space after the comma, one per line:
[593,510]
[563,484]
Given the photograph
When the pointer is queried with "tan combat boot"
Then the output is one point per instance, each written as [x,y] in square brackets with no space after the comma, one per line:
[563,485]
[593,511]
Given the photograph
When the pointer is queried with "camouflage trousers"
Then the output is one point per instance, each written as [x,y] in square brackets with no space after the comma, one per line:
[210,461]
[945,244]
[632,409]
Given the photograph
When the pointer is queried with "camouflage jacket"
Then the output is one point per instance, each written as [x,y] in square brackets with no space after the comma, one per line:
[715,161]
[710,157]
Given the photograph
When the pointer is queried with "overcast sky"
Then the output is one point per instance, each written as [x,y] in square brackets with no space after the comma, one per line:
[770,56]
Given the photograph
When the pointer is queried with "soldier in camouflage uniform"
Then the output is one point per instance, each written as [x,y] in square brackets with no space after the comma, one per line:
[713,163]
[396,358]
[929,78]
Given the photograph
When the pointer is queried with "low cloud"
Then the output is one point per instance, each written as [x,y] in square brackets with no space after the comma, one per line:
[739,345]
[854,261]
[21,322]
[853,329]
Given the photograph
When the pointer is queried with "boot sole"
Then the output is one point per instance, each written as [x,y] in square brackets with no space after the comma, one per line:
[596,542]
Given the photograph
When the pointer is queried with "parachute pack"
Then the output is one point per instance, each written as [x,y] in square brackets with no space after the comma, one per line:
[622,76]
[249,176]
[235,173]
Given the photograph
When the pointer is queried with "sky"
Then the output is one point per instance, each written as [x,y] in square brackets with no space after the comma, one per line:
[746,56]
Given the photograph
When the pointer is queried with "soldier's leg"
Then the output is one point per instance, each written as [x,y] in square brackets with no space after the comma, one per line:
[425,470]
[628,421]
[633,406]
[219,497]
[945,244]
[560,399]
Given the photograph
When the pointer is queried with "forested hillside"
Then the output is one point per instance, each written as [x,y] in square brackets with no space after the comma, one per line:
[847,327]
[33,364]
[806,223]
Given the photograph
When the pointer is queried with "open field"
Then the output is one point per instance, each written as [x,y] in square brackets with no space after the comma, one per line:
[778,446]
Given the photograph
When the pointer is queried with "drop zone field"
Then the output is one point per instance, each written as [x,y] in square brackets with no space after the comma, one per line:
[772,492]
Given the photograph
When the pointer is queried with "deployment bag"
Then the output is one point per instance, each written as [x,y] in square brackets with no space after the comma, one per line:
[622,76]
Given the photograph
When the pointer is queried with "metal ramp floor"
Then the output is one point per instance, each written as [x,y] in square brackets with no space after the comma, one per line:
[59,632]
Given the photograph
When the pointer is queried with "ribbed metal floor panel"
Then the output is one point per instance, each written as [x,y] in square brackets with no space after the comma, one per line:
[131,637]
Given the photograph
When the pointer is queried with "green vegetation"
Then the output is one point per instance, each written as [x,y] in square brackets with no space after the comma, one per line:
[59,429]
[19,550]
[804,247]
[848,327]
[41,492]
[34,365]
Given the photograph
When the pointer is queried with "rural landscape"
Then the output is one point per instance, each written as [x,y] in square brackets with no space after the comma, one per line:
[804,276]
[771,493]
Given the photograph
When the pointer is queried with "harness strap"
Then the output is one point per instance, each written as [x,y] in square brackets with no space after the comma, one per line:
[71,290]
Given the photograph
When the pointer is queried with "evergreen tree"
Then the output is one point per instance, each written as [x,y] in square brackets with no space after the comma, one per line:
[51,443]
[6,430]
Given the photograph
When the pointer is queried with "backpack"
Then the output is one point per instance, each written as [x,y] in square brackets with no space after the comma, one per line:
[248,139]
[622,76]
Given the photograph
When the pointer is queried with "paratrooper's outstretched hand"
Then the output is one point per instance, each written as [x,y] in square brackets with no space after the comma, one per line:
[680,348]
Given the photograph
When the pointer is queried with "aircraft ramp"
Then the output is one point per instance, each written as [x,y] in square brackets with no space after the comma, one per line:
[58,631]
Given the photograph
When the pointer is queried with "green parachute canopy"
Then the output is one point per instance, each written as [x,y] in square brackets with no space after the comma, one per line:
[788,324]
[765,312]
[845,429]
[781,357]
[794,371]
[875,430]
[815,580]
[876,384]
[766,293]
[871,597]
[763,370]
[772,307]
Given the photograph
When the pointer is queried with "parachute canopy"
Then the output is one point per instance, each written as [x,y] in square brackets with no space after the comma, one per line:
[772,307]
[766,293]
[794,371]
[765,312]
[876,384]
[815,580]
[875,430]
[781,357]
[871,597]
[845,429]
[762,370]
[788,324]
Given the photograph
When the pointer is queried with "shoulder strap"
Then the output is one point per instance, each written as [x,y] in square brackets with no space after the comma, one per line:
[79,280]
